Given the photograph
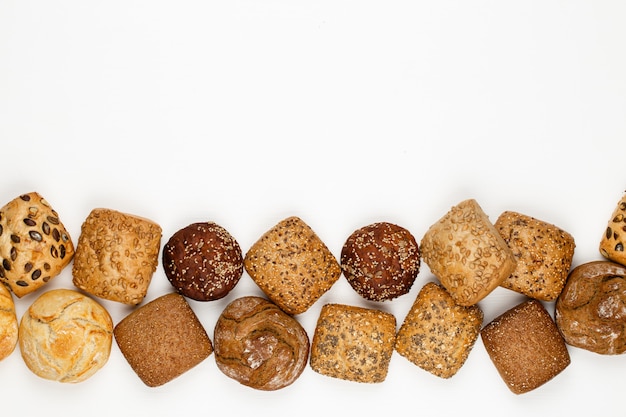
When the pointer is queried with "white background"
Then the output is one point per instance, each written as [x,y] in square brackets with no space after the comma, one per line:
[344,113]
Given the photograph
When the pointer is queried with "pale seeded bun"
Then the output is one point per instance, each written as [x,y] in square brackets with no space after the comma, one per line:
[466,253]
[259,345]
[613,242]
[116,256]
[8,323]
[34,244]
[65,336]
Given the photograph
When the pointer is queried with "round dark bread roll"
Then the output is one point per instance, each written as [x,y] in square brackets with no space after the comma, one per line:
[203,261]
[259,345]
[380,261]
[591,310]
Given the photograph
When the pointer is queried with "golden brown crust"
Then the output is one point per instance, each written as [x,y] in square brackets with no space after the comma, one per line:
[544,254]
[466,253]
[353,343]
[34,244]
[591,310]
[437,334]
[162,339]
[380,261]
[613,242]
[116,255]
[525,346]
[259,345]
[292,265]
[8,323]
[65,336]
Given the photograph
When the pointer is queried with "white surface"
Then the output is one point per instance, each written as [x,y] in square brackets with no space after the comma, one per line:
[340,112]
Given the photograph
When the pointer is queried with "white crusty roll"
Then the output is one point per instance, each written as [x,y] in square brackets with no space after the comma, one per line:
[65,336]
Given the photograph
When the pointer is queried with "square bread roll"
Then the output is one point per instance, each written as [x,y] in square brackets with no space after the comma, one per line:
[544,255]
[353,343]
[162,339]
[466,253]
[525,346]
[116,256]
[34,245]
[613,242]
[437,334]
[292,265]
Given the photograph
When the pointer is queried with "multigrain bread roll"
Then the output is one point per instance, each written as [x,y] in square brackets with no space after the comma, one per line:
[116,255]
[163,339]
[525,346]
[380,261]
[65,336]
[259,345]
[614,237]
[543,251]
[8,323]
[437,334]
[466,253]
[591,310]
[292,265]
[353,343]
[34,244]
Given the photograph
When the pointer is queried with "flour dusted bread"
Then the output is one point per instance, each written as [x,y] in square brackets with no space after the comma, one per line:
[8,323]
[292,265]
[34,244]
[437,334]
[116,255]
[613,242]
[163,339]
[65,336]
[466,253]
[543,252]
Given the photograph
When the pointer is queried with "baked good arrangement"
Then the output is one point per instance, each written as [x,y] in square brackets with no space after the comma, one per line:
[258,341]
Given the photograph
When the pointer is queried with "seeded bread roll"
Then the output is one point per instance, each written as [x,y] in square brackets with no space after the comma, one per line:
[162,339]
[353,343]
[292,265]
[65,336]
[543,252]
[34,244]
[591,310]
[203,261]
[614,238]
[116,255]
[465,251]
[437,334]
[525,346]
[8,323]
[380,261]
[259,345]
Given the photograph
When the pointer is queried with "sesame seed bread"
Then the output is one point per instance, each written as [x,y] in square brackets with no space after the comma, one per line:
[163,339]
[613,242]
[34,244]
[259,345]
[353,343]
[292,265]
[437,334]
[525,346]
[380,261]
[8,323]
[543,251]
[116,255]
[466,253]
[65,336]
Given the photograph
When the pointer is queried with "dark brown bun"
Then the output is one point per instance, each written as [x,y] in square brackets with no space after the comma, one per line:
[203,261]
[259,345]
[591,310]
[380,261]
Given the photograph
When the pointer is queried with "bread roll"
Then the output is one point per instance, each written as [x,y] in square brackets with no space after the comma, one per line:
[613,242]
[8,323]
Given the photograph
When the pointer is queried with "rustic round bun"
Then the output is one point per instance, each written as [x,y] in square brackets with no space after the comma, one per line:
[380,261]
[82,329]
[203,261]
[591,310]
[259,345]
[8,323]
